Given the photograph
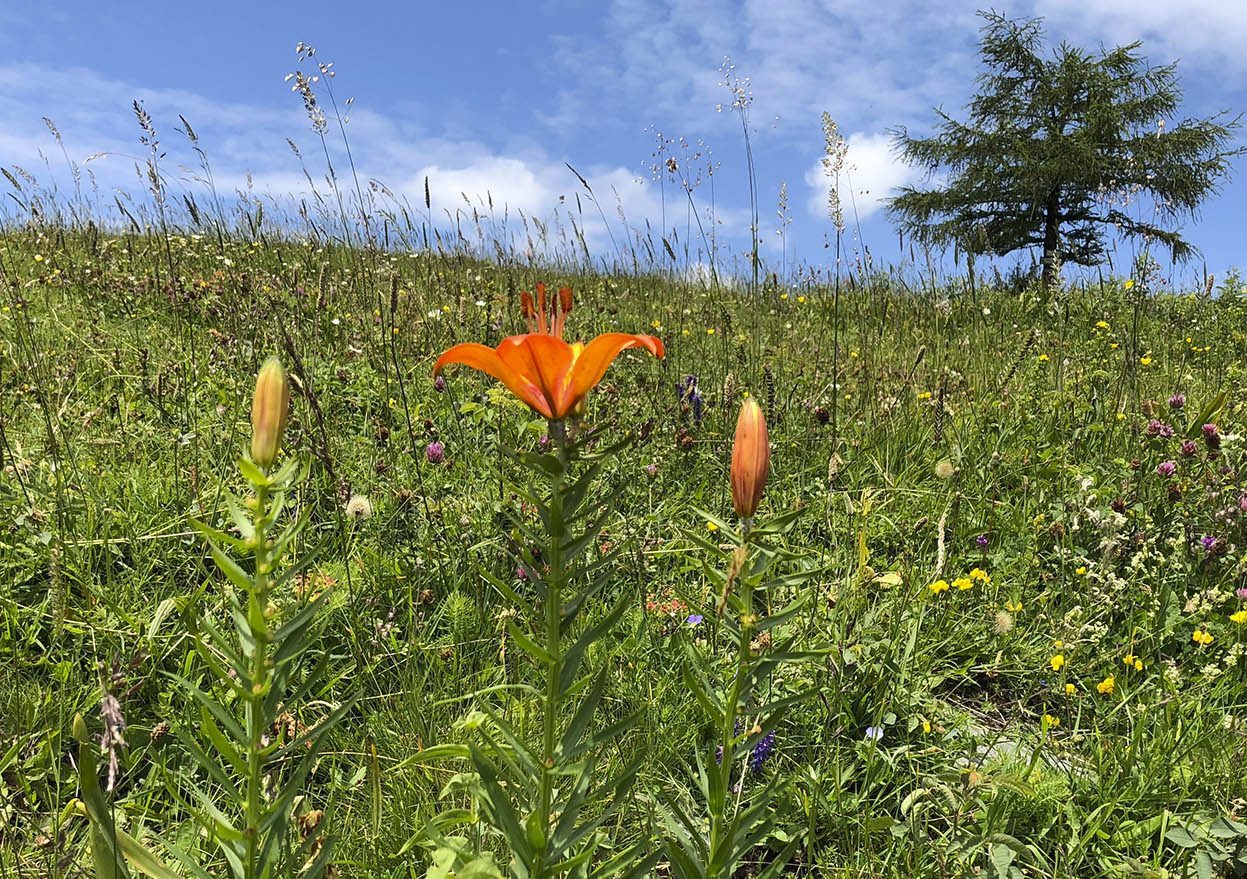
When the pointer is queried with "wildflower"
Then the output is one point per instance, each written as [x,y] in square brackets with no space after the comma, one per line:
[1132,661]
[939,586]
[1146,361]
[1043,358]
[1070,689]
[1049,720]
[547,373]
[1105,686]
[1129,283]
[1202,638]
[694,619]
[688,395]
[982,540]
[435,452]
[1187,449]
[1241,592]
[963,583]
[358,507]
[1167,468]
[1081,570]
[651,470]
[1212,437]
[269,409]
[1003,623]
[1013,606]
[710,526]
[1057,662]
[439,383]
[926,726]
[1100,324]
[980,575]
[751,459]
[1177,401]
[1239,617]
[874,733]
[761,752]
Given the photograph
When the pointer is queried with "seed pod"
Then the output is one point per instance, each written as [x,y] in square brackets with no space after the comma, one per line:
[751,459]
[269,410]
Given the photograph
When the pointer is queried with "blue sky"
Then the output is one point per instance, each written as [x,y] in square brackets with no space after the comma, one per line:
[496,97]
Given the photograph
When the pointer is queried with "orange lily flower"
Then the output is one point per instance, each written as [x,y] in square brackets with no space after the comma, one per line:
[550,375]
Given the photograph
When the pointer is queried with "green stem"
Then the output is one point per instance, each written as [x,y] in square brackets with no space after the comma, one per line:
[720,821]
[256,725]
[554,624]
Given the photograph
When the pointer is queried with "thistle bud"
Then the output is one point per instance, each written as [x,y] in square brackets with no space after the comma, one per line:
[268,412]
[751,459]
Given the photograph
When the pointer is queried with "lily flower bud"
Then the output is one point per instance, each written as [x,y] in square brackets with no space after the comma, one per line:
[269,409]
[751,459]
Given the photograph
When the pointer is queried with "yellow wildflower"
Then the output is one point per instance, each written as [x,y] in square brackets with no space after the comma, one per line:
[963,583]
[1070,689]
[1202,638]
[939,586]
[1049,720]
[980,575]
[1057,662]
[1240,617]
[1106,686]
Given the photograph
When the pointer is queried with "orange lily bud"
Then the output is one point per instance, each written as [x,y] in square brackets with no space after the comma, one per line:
[269,409]
[565,299]
[751,459]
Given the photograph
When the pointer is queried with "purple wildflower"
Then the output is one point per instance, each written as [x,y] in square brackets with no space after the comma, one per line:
[694,619]
[1208,542]
[982,540]
[1167,468]
[1212,437]
[762,752]
[435,452]
[651,470]
[1241,592]
[1242,502]
[874,733]
[439,383]
[1177,401]
[1188,449]
[688,396]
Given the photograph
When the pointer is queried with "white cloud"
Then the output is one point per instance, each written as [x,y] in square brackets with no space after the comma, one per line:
[1208,34]
[247,149]
[871,174]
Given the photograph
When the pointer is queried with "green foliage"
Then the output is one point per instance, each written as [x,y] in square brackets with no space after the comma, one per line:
[741,707]
[1056,150]
[126,408]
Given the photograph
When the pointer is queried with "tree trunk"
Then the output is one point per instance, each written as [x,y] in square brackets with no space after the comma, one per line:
[1051,236]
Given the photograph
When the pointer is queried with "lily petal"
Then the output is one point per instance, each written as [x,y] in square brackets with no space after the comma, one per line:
[488,361]
[591,364]
[544,361]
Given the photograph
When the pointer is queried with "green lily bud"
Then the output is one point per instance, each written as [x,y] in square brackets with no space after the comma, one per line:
[268,412]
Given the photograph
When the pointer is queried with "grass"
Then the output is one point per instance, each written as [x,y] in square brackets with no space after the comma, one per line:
[925,433]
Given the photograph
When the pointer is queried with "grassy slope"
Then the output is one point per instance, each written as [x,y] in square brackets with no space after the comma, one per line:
[125,403]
